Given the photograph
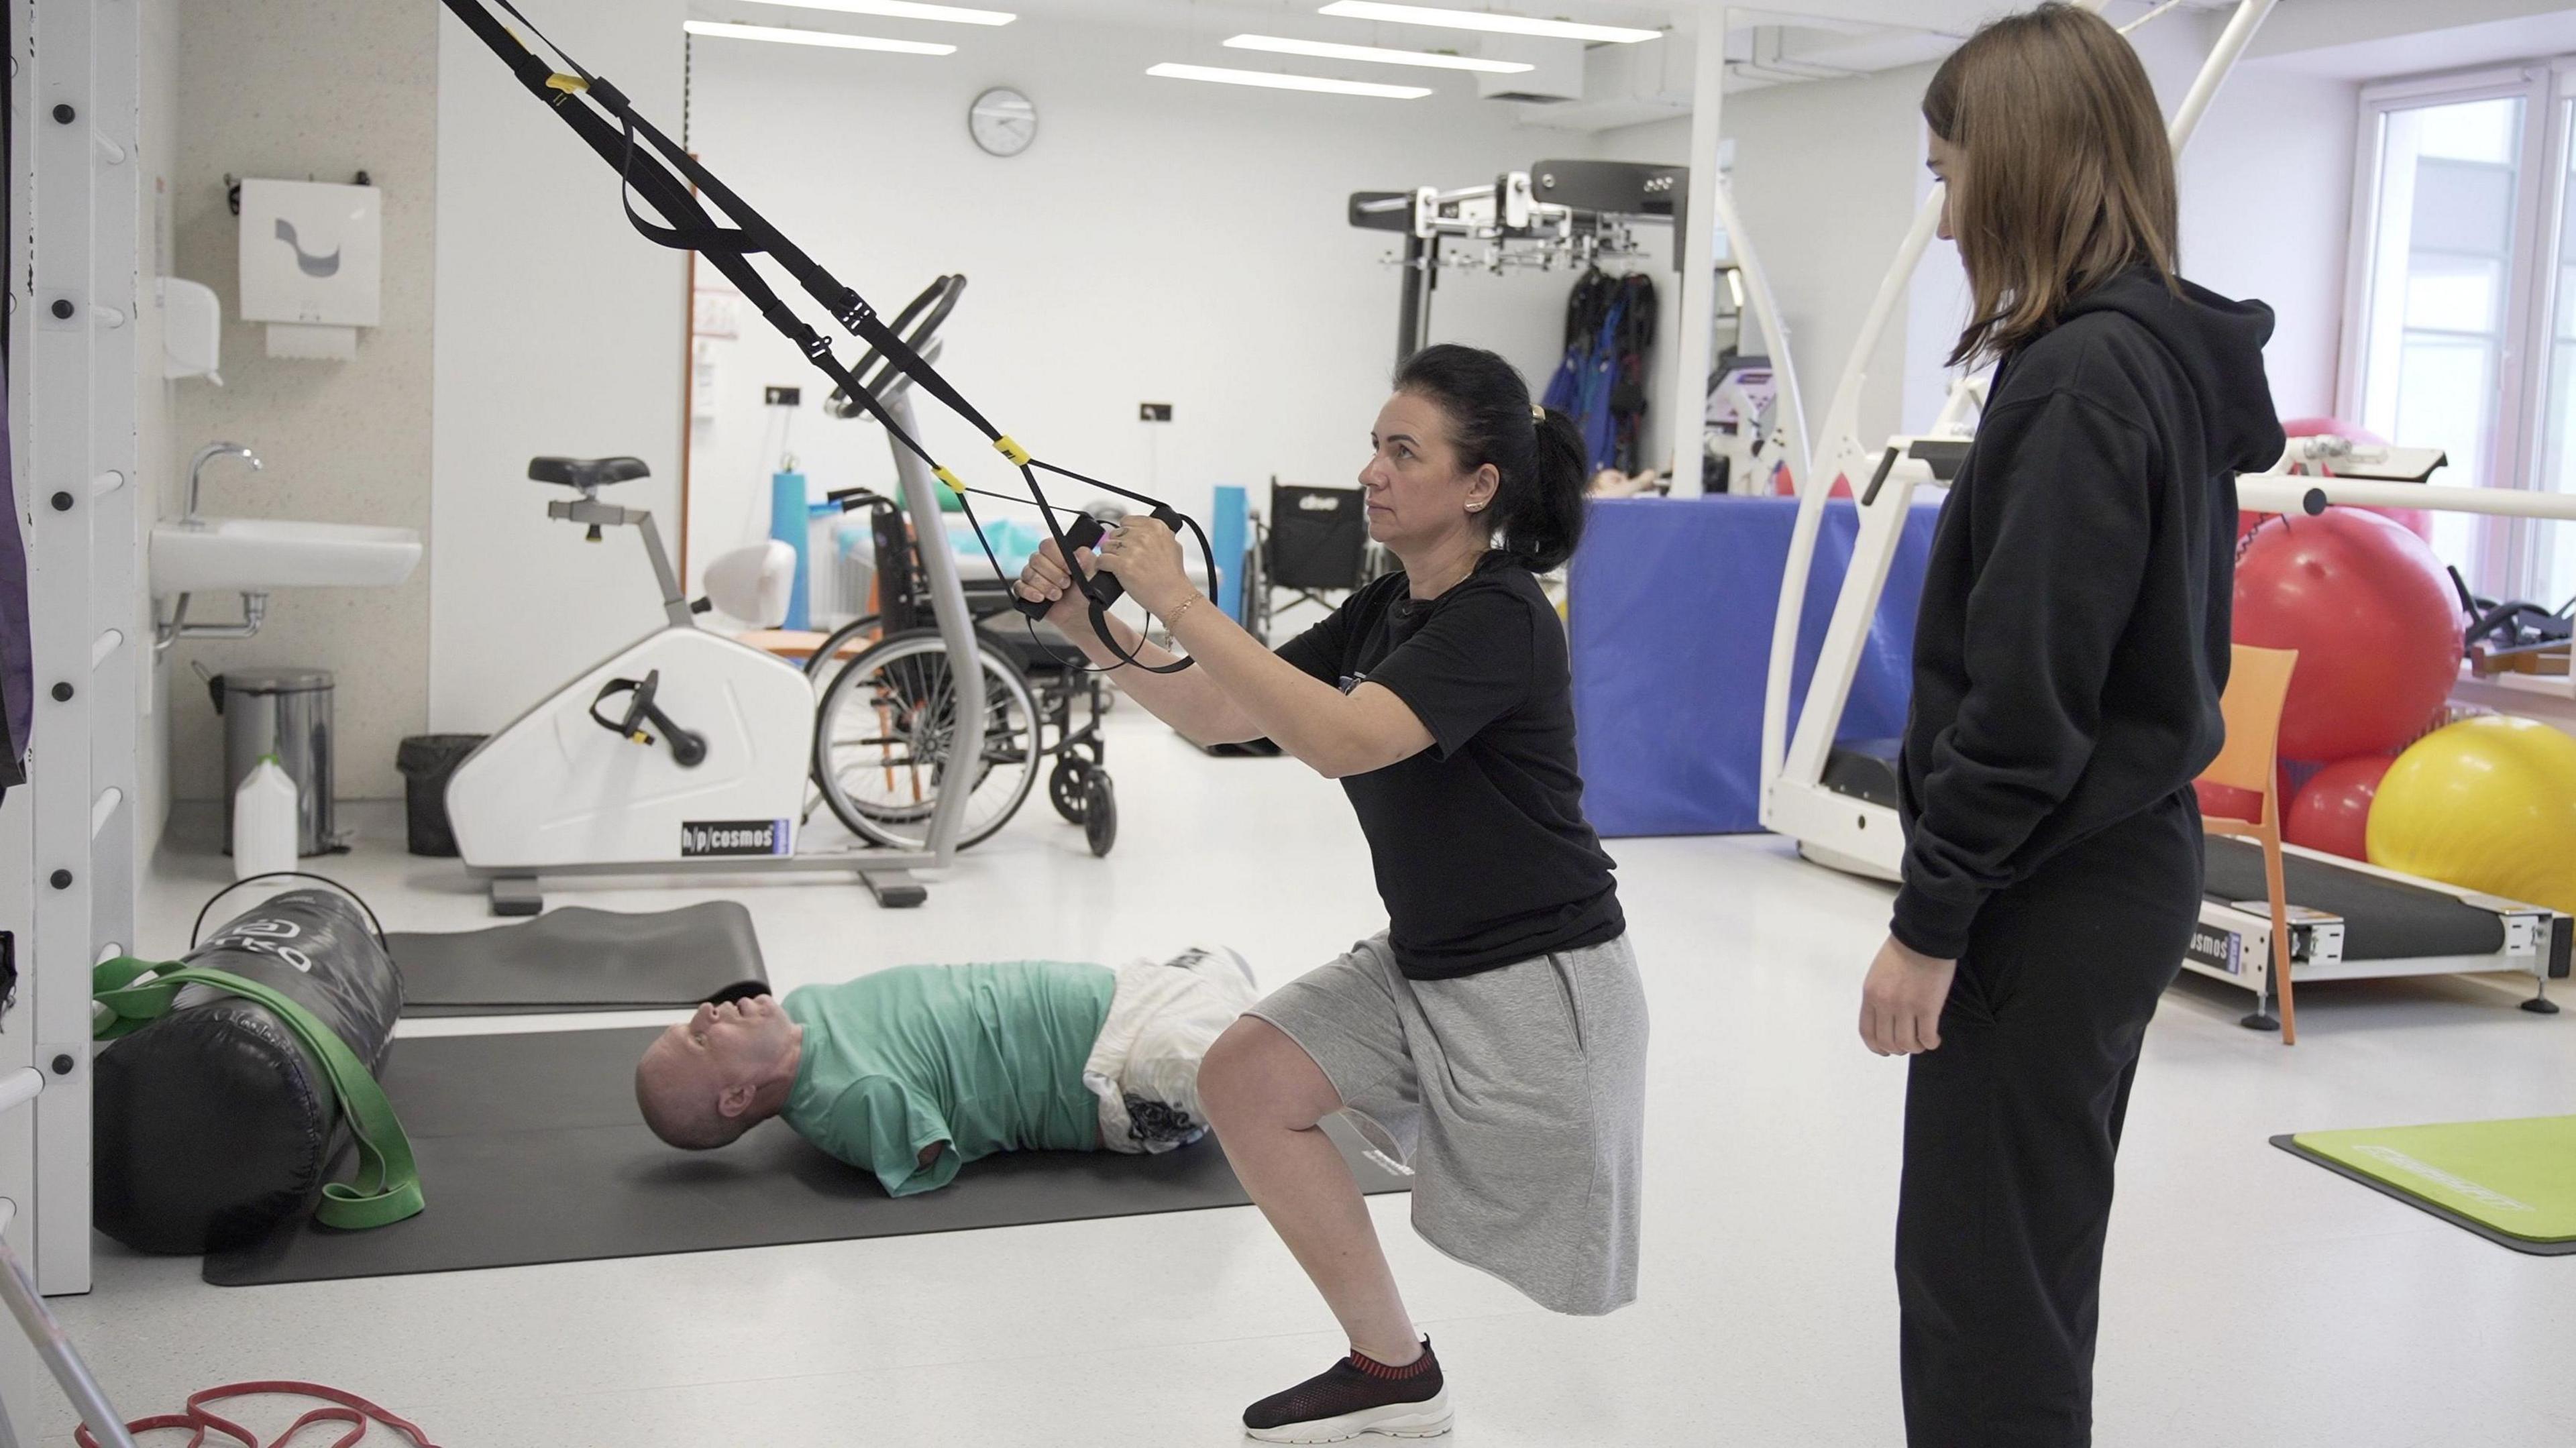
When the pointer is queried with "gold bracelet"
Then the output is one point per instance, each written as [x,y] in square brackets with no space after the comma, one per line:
[1174,621]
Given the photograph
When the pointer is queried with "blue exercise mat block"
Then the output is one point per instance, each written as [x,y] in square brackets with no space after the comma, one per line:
[1671,606]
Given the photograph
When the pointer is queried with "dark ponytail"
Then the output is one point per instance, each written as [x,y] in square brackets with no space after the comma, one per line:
[1537,513]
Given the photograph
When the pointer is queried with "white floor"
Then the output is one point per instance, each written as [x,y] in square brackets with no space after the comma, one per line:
[2252,1299]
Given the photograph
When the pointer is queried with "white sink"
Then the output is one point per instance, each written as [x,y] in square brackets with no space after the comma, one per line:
[254,555]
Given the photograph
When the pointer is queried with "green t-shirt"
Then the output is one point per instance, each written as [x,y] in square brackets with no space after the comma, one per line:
[984,1057]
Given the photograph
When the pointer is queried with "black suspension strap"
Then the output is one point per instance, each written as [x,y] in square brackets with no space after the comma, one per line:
[670,182]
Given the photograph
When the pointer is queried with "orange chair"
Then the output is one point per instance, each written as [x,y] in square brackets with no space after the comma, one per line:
[2257,682]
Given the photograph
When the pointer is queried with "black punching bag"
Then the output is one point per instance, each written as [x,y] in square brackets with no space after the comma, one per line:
[214,1122]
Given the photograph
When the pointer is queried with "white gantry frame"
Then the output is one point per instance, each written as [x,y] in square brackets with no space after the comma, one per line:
[1863,837]
[70,837]
[1831,827]
[1713,196]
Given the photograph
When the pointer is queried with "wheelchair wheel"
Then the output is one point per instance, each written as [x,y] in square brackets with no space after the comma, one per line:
[1065,786]
[886,742]
[818,665]
[1099,811]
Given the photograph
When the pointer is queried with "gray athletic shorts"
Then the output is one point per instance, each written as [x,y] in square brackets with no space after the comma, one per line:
[1516,1095]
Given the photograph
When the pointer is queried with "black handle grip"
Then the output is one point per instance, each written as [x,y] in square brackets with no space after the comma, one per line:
[1103,589]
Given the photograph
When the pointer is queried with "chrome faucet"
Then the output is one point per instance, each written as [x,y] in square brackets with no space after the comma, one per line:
[205,455]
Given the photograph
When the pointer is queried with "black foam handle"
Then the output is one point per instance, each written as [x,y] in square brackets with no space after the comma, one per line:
[1103,589]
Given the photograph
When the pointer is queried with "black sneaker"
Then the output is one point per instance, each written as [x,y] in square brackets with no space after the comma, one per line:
[1355,1397]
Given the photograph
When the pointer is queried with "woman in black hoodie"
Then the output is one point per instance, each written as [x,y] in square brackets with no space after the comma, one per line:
[2067,667]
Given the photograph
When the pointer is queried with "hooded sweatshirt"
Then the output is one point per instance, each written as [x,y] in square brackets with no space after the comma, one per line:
[2073,637]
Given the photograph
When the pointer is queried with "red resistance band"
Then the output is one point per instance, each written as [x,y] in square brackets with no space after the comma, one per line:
[339,1407]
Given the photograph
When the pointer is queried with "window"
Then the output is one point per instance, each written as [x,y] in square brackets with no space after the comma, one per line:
[2465,303]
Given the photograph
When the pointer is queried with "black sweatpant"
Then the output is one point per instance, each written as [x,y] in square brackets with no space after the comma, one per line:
[2010,1130]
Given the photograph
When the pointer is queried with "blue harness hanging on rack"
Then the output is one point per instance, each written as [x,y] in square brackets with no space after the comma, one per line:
[1600,382]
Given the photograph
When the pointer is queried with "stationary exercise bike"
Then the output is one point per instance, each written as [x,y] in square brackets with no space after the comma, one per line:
[685,752]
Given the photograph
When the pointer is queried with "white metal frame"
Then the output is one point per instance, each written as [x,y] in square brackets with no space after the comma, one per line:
[73,405]
[1834,828]
[69,838]
[1712,195]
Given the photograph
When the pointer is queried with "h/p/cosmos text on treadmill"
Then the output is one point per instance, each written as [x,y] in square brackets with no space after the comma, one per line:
[733,837]
[2223,949]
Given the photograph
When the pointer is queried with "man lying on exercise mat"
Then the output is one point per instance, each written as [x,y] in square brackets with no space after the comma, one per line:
[910,1073]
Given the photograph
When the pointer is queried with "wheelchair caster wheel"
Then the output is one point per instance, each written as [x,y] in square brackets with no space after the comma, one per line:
[1065,786]
[1099,811]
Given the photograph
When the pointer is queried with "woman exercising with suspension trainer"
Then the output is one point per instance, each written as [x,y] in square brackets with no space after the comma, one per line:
[2068,660]
[1495,1032]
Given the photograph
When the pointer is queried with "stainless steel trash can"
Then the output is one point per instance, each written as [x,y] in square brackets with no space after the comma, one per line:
[285,712]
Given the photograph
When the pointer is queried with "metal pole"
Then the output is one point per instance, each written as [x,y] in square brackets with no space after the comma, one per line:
[2213,72]
[675,600]
[1687,401]
[1413,311]
[60,1356]
[1790,407]
[2287,493]
[956,631]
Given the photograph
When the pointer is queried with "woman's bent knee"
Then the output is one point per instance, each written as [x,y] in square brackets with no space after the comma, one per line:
[1257,1075]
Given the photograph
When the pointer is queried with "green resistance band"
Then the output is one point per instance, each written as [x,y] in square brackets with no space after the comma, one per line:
[387,1188]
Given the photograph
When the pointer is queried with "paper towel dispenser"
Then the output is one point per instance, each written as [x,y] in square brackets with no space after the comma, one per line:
[312,263]
[192,330]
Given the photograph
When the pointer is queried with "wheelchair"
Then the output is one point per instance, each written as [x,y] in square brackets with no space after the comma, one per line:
[886,735]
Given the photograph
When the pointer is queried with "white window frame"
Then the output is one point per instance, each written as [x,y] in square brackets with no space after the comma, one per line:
[2506,557]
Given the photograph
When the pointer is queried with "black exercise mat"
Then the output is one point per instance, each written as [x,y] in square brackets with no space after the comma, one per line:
[575,959]
[530,1151]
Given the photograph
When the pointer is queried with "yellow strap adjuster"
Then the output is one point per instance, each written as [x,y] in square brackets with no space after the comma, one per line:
[568,84]
[945,476]
[1011,449]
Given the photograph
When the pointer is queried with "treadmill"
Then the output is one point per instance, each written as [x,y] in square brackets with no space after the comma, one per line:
[2348,920]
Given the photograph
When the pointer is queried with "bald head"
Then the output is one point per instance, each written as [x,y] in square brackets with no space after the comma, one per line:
[714,1076]
[680,1096]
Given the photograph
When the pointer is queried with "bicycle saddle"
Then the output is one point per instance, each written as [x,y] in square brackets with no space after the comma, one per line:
[587,473]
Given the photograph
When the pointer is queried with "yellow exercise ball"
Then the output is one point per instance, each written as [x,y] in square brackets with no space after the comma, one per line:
[2488,804]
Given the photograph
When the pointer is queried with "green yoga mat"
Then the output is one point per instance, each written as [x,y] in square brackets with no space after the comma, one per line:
[2511,1182]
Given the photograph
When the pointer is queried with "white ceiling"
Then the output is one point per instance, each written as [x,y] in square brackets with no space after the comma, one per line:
[2458,47]
[1776,42]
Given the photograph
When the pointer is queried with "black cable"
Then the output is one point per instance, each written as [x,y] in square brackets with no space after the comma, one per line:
[729,247]
[355,898]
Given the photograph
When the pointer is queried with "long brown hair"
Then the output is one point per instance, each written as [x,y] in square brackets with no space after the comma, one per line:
[2065,179]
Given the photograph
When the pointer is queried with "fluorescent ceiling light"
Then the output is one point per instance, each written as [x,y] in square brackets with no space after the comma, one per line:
[1275,81]
[902,10]
[831,38]
[1280,45]
[1486,20]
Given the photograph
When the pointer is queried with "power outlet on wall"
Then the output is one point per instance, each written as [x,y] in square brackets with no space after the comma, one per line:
[781,396]
[1153,412]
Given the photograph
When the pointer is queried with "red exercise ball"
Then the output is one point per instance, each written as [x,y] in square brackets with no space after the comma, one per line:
[2218,801]
[2333,813]
[1783,485]
[2374,618]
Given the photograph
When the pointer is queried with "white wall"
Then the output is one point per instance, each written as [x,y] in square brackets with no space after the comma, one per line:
[1824,181]
[2266,190]
[1164,241]
[558,330]
[318,89]
[2267,212]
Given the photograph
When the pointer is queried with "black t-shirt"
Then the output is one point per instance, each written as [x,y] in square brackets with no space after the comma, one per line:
[1482,853]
